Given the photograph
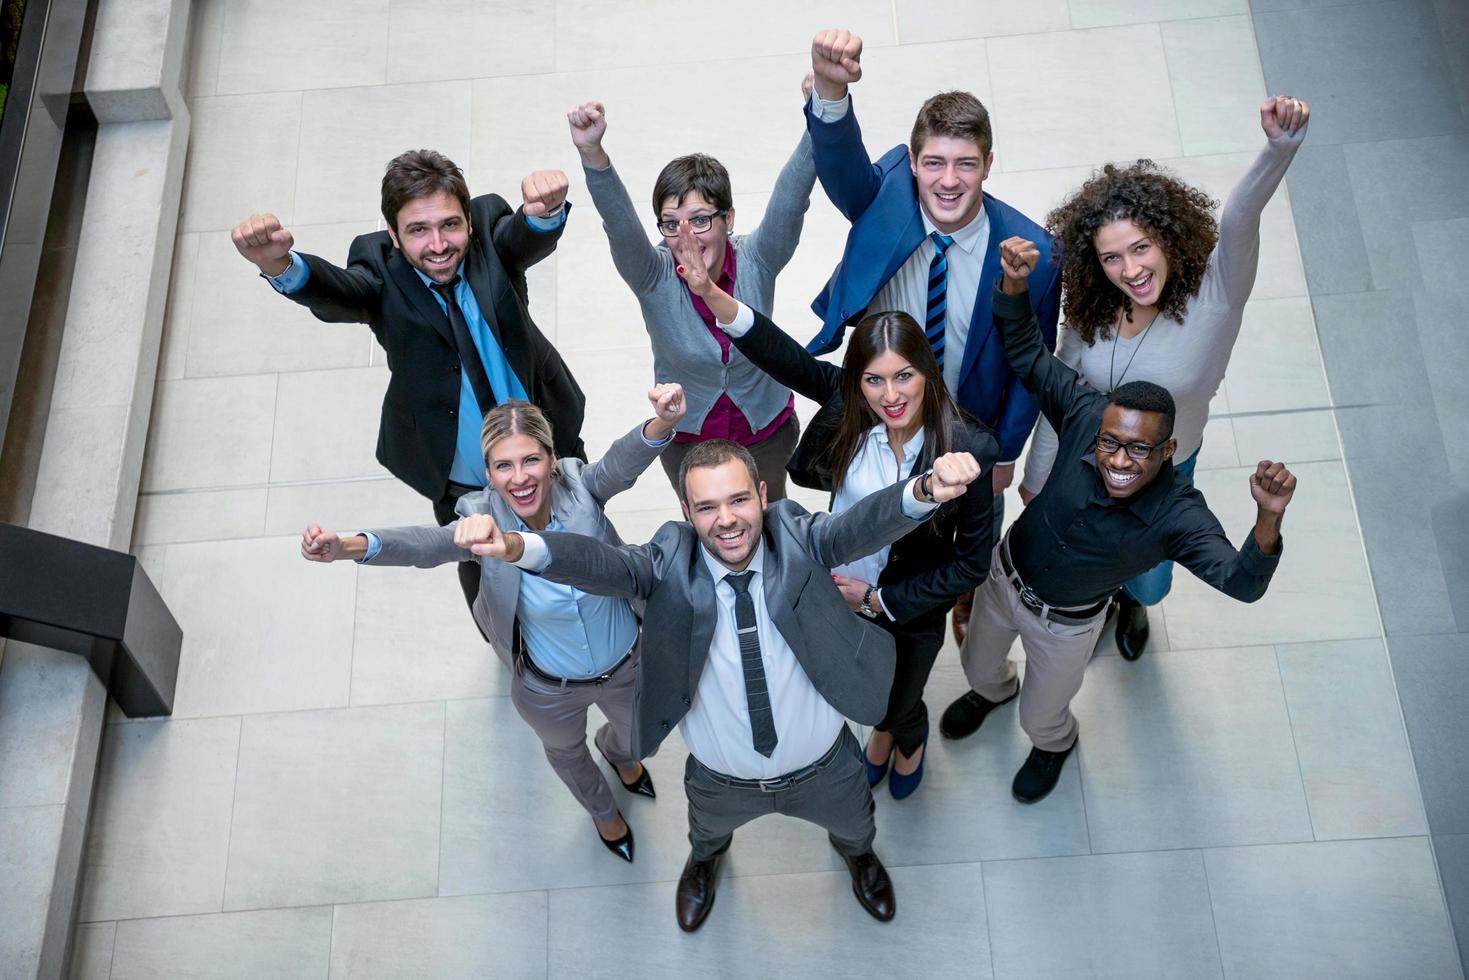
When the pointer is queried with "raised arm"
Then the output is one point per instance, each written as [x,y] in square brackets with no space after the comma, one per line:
[333,294]
[1244,574]
[1057,388]
[1043,444]
[421,547]
[634,452]
[627,571]
[1019,410]
[638,263]
[845,170]
[528,234]
[774,240]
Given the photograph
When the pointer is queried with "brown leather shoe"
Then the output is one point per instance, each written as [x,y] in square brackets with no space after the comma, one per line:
[872,886]
[962,609]
[695,896]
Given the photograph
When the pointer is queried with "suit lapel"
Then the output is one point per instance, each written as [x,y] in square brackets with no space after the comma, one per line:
[982,320]
[782,586]
[497,305]
[419,296]
[904,245]
[701,599]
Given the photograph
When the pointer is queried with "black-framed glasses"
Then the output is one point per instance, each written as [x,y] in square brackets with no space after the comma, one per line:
[699,222]
[1137,451]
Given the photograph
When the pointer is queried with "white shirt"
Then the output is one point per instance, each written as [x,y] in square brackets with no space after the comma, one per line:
[872,469]
[717,727]
[907,290]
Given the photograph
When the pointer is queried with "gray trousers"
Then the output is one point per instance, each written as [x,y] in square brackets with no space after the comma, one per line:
[1055,659]
[559,716]
[771,456]
[836,797]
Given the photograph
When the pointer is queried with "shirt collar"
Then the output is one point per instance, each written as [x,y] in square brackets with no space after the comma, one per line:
[968,237]
[1148,504]
[719,570]
[879,434]
[458,271]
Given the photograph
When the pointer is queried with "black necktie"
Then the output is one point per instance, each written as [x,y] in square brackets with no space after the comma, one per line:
[757,695]
[469,355]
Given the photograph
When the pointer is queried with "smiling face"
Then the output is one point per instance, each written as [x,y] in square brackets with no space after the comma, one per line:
[1122,475]
[1133,261]
[433,234]
[894,391]
[950,173]
[714,240]
[520,471]
[727,510]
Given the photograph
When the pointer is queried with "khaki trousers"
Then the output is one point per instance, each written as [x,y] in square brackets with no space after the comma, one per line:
[1055,659]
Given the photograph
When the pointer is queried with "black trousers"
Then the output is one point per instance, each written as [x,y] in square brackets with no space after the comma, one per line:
[907,716]
[444,514]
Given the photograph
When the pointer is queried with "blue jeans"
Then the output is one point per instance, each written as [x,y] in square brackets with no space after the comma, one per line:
[1151,586]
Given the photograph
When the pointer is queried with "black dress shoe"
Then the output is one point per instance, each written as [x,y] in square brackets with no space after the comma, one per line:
[643,785]
[872,886]
[1039,775]
[695,896]
[1132,625]
[623,846]
[963,718]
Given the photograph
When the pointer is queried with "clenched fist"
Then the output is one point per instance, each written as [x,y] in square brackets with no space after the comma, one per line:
[1283,114]
[1018,258]
[952,474]
[588,123]
[543,192]
[836,61]
[1272,486]
[261,239]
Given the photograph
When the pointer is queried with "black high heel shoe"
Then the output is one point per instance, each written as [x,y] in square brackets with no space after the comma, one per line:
[623,846]
[642,786]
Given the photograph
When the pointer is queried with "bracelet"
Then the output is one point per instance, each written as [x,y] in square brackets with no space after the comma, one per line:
[925,486]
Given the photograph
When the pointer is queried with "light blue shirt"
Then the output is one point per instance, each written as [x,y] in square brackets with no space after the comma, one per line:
[469,461]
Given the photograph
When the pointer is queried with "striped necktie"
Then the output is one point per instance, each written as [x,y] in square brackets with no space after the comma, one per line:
[938,295]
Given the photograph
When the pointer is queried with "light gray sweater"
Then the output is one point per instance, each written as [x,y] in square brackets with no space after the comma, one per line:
[1187,357]
[683,348]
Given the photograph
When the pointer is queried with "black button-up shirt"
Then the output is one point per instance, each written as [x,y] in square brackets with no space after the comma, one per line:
[1075,544]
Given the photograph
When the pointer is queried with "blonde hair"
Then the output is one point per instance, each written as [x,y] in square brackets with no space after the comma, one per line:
[515,418]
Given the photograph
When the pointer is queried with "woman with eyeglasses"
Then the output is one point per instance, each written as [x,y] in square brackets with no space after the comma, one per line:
[1155,290]
[885,415]
[728,397]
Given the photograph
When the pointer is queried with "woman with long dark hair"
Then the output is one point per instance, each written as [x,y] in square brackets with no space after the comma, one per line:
[1155,290]
[885,415]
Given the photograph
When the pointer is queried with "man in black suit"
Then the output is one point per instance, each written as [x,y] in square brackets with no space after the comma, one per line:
[443,289]
[751,650]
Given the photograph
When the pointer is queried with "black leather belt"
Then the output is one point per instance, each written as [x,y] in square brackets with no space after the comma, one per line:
[794,778]
[530,665]
[1074,616]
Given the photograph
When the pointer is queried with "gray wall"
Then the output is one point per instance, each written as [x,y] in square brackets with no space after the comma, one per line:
[1380,194]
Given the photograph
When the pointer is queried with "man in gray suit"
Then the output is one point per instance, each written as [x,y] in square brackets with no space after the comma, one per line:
[750,648]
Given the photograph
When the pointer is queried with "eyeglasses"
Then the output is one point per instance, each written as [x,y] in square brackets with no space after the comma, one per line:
[699,222]
[1136,451]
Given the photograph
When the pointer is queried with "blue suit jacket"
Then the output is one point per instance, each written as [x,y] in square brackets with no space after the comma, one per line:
[881,201]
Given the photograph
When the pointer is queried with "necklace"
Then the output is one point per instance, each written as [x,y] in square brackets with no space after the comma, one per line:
[1111,382]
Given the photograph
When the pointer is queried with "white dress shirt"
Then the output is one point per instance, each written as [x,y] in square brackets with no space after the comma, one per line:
[871,470]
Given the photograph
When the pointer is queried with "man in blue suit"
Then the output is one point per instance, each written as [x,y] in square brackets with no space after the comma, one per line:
[925,239]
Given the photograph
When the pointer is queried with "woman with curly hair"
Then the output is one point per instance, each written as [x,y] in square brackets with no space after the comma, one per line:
[1155,290]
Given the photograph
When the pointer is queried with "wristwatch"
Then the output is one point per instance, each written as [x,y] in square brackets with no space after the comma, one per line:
[866,607]
[925,485]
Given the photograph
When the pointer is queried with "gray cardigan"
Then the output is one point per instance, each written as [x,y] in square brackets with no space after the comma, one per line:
[683,348]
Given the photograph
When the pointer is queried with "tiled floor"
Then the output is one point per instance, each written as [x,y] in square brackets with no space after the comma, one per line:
[345,789]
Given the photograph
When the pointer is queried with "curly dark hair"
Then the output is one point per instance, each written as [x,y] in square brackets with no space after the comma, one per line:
[1178,217]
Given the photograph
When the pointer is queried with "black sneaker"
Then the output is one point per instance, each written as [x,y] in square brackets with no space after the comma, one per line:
[963,718]
[1039,775]
[1132,625]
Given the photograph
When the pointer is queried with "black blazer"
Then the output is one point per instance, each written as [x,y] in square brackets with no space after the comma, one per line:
[942,558]
[419,426]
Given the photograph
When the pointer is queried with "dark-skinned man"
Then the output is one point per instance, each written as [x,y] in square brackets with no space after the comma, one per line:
[1113,507]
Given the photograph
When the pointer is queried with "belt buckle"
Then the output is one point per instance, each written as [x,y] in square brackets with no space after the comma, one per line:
[1030,600]
[771,785]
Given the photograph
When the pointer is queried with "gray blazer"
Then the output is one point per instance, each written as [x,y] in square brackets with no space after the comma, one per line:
[579,491]
[849,660]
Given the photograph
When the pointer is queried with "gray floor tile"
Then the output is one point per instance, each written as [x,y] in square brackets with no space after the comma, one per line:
[1096,13]
[429,40]
[1277,363]
[348,504]
[337,806]
[1125,915]
[91,953]
[29,840]
[1432,674]
[1372,71]
[184,446]
[347,403]
[242,159]
[1332,248]
[341,43]
[1295,436]
[238,658]
[1189,750]
[1439,311]
[204,515]
[1350,739]
[948,20]
[1452,852]
[777,926]
[470,937]
[964,811]
[1450,519]
[160,828]
[1351,329]
[243,945]
[1217,86]
[1366,909]
[1441,246]
[1401,181]
[41,698]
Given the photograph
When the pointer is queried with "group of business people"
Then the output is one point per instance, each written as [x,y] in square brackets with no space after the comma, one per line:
[756,627]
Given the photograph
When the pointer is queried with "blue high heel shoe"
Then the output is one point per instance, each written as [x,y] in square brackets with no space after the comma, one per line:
[902,786]
[875,772]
